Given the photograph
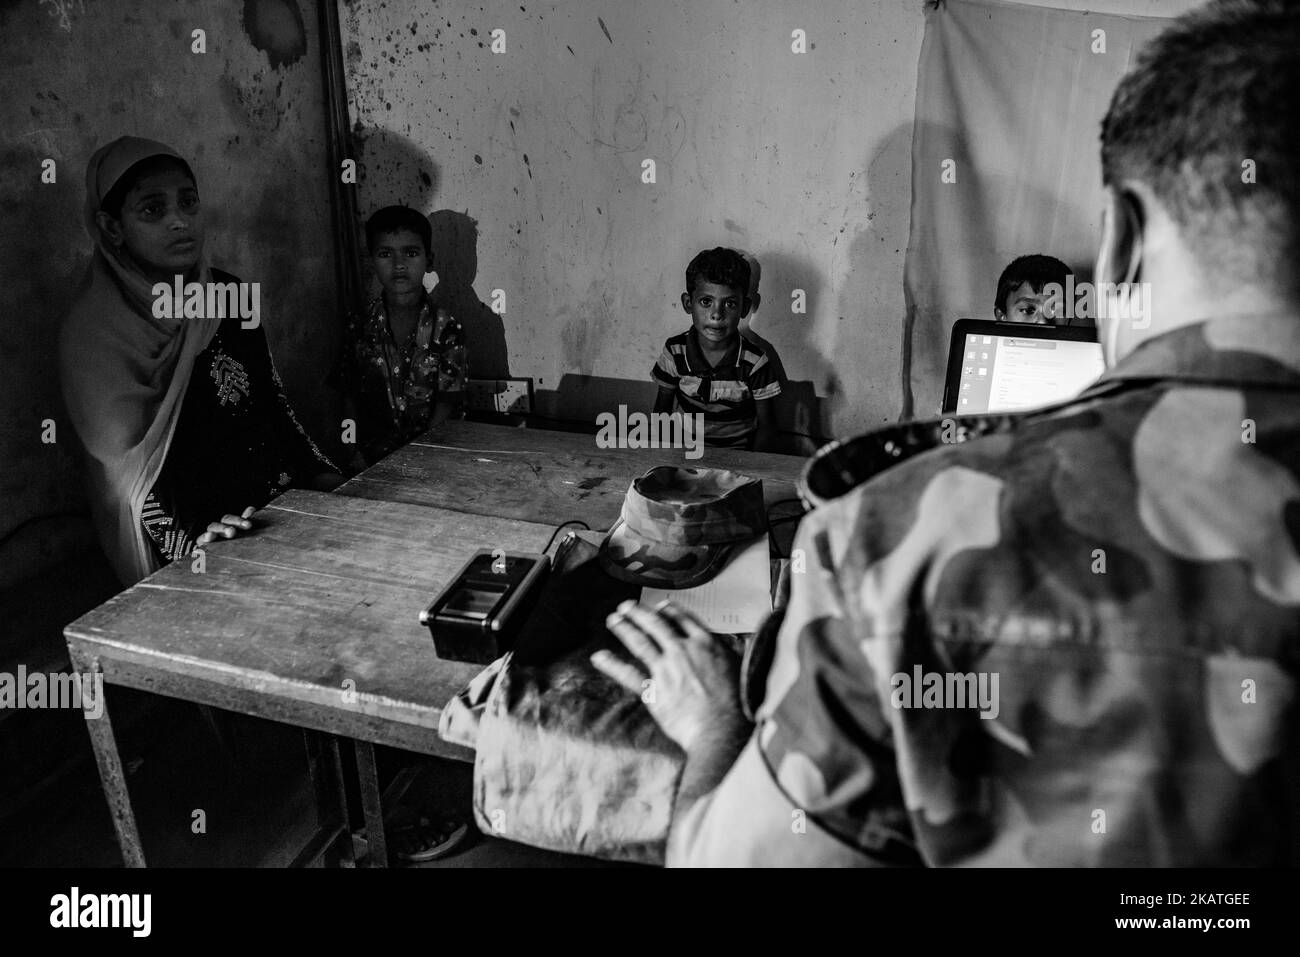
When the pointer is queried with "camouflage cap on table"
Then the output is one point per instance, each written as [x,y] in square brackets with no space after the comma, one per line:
[679,525]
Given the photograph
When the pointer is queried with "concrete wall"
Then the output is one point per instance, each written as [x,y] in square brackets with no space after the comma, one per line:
[802,159]
[249,114]
[1132,8]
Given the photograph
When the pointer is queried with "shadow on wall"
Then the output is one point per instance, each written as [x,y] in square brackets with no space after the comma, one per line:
[802,419]
[455,260]
[392,171]
[874,278]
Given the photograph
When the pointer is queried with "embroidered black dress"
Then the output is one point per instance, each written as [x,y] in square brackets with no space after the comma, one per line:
[237,442]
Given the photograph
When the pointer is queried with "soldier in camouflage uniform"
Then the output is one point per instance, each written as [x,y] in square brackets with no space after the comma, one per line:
[1126,564]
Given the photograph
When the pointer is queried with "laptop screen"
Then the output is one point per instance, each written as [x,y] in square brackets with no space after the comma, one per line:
[1007,367]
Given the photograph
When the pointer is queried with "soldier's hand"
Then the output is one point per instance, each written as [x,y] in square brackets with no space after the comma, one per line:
[692,689]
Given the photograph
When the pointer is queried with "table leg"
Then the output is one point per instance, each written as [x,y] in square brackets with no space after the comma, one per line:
[333,842]
[371,803]
[108,759]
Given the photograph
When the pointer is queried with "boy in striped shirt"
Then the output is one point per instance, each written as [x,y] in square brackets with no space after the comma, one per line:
[713,368]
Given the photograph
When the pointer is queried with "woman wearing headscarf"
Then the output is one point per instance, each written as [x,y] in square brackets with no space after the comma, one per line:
[184,420]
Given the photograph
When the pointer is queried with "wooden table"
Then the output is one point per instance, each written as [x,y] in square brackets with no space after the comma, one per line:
[542,476]
[312,620]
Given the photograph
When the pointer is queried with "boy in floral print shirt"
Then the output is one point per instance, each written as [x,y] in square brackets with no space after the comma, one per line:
[403,365]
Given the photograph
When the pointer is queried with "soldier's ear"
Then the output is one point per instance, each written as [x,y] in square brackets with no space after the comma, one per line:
[1119,260]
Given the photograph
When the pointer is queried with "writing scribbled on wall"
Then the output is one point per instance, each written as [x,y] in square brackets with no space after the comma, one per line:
[64,9]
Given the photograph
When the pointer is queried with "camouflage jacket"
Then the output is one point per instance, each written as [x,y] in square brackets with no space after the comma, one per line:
[1111,585]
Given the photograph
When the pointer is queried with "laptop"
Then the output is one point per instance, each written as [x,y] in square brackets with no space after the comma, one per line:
[1011,366]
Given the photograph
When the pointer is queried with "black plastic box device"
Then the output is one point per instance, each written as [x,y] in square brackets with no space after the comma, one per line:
[477,617]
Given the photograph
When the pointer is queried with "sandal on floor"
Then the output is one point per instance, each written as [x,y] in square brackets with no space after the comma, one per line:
[430,839]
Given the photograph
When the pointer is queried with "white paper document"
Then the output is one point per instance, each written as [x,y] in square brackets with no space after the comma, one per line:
[735,601]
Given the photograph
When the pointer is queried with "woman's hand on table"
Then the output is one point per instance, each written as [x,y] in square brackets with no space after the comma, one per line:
[692,689]
[228,527]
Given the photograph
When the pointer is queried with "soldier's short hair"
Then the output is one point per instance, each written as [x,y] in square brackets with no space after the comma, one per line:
[1205,119]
